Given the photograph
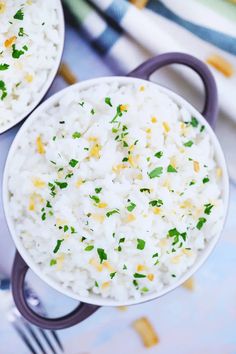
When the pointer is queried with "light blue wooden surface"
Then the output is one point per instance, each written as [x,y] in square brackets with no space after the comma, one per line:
[202,321]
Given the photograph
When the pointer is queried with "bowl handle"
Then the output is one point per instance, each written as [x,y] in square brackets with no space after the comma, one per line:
[81,312]
[145,70]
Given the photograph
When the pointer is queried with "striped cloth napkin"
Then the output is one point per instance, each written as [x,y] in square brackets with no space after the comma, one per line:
[129,34]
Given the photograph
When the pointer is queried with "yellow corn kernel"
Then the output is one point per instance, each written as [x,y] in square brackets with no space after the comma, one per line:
[166,127]
[29,2]
[156,210]
[221,64]
[107,265]
[139,176]
[38,183]
[146,332]
[140,267]
[93,138]
[176,259]
[148,130]
[186,205]
[141,88]
[118,168]
[29,78]
[40,146]
[60,261]
[60,222]
[95,151]
[105,285]
[218,172]
[184,128]
[78,183]
[2,7]
[187,252]
[153,120]
[181,149]
[123,107]
[163,243]
[150,276]
[132,147]
[95,264]
[102,205]
[130,217]
[189,284]
[31,206]
[98,217]
[196,166]
[122,308]
[10,41]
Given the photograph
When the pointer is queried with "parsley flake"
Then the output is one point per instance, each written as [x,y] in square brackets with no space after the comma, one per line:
[58,245]
[102,254]
[108,101]
[19,15]
[140,244]
[171,169]
[156,172]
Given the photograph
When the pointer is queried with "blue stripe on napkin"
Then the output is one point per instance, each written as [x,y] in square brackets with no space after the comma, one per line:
[117,10]
[221,40]
[106,40]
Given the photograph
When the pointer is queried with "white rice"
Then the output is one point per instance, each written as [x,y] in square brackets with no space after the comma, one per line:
[35,33]
[149,245]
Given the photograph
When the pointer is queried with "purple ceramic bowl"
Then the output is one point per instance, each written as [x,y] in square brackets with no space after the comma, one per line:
[23,262]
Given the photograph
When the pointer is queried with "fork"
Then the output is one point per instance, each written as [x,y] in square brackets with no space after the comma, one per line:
[36,339]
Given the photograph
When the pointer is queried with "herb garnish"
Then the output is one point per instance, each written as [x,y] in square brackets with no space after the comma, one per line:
[61,185]
[102,254]
[21,32]
[131,207]
[171,169]
[16,53]
[201,222]
[208,208]
[156,203]
[176,236]
[156,172]
[140,244]
[112,275]
[205,180]
[194,122]
[73,162]
[95,198]
[58,245]
[188,143]
[138,275]
[118,113]
[108,101]
[98,190]
[145,190]
[19,15]
[158,154]
[115,211]
[53,262]
[89,248]
[4,67]
[3,89]
[76,135]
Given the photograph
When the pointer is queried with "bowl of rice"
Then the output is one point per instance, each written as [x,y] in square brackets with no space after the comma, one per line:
[31,45]
[115,191]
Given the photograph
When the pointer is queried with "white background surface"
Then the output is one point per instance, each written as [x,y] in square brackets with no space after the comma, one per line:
[202,321]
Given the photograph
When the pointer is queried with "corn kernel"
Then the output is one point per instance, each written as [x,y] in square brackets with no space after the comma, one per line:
[10,41]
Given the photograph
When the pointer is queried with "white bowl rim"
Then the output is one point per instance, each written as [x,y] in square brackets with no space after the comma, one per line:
[97,299]
[52,75]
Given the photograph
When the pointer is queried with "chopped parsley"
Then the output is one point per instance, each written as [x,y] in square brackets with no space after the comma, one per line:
[131,207]
[95,198]
[3,89]
[194,122]
[16,53]
[125,159]
[43,216]
[176,235]
[156,203]
[144,289]
[205,180]
[102,254]
[4,67]
[81,103]
[145,190]
[108,101]
[98,190]
[89,248]
[192,183]
[112,275]
[92,111]
[158,154]
[115,211]
[118,113]
[48,205]
[156,172]
[21,32]
[201,222]
[138,275]
[73,162]
[122,240]
[61,185]
[188,143]
[208,208]
[171,169]
[96,284]
[155,255]
[202,128]
[58,245]
[53,262]
[76,135]
[19,15]
[140,244]
[124,267]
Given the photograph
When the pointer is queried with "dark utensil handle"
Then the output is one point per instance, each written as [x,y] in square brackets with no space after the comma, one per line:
[81,312]
[145,70]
